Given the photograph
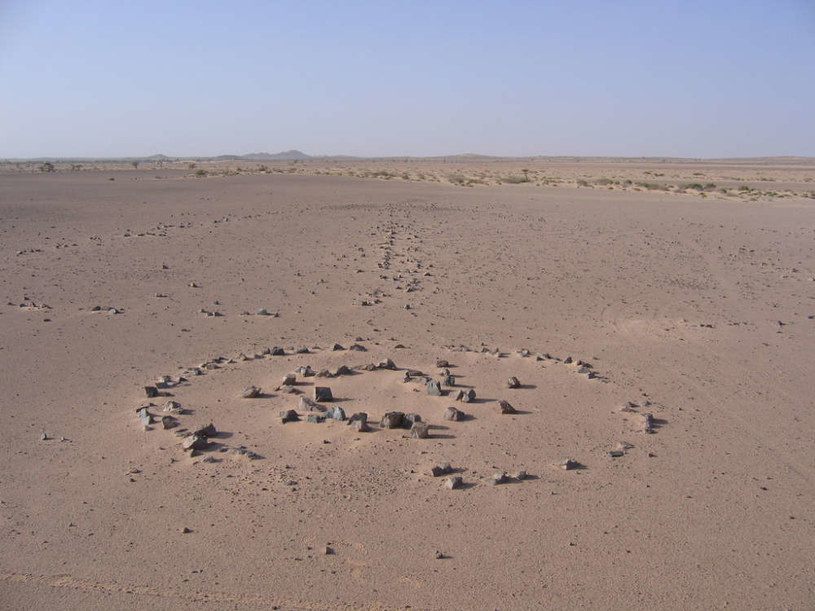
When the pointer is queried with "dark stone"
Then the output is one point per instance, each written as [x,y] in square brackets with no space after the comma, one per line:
[277,351]
[342,370]
[448,380]
[386,364]
[513,382]
[336,347]
[168,422]
[289,415]
[205,431]
[506,408]
[441,469]
[151,392]
[468,395]
[442,363]
[392,420]
[358,348]
[323,394]
[315,418]
[409,419]
[499,478]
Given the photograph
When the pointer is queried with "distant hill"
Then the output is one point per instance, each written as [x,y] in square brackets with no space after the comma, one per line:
[285,156]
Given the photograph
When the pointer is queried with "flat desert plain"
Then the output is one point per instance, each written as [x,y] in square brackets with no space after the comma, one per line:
[607,301]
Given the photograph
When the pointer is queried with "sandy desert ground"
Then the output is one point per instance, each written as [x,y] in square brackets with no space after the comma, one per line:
[695,305]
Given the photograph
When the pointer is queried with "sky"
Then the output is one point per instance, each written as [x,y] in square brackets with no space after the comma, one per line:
[679,78]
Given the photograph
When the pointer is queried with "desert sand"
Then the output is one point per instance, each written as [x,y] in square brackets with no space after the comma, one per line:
[607,299]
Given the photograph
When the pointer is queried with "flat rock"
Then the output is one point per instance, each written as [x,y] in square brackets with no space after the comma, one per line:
[309,405]
[193,442]
[207,430]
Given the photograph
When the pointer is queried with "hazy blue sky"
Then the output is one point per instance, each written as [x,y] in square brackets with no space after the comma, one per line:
[691,78]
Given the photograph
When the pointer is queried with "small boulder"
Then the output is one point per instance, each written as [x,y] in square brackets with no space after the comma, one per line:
[453,415]
[448,380]
[193,442]
[468,396]
[454,482]
[569,464]
[336,412]
[168,422]
[252,392]
[500,477]
[442,363]
[289,379]
[647,423]
[358,348]
[386,364]
[409,420]
[506,408]
[420,430]
[392,420]
[151,392]
[342,370]
[336,347]
[276,351]
[289,415]
[441,469]
[513,382]
[434,388]
[205,431]
[323,394]
[315,417]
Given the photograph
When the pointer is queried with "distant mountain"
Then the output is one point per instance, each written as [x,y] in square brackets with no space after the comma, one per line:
[285,156]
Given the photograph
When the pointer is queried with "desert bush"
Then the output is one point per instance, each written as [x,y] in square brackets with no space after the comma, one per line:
[603,181]
[513,180]
[47,167]
[582,183]
[200,173]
